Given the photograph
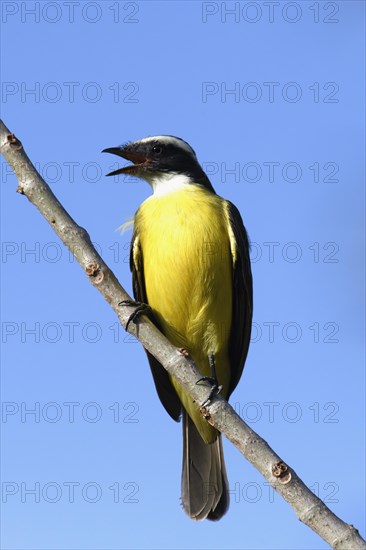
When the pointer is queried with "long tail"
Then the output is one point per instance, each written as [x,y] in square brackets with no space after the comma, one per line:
[204,481]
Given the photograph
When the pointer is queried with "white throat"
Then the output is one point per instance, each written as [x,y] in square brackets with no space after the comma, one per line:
[163,183]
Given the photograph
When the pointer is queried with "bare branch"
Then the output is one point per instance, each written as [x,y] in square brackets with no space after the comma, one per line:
[308,507]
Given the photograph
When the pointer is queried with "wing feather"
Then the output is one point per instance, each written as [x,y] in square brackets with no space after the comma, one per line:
[241,324]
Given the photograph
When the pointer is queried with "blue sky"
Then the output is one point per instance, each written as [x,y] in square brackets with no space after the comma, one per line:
[270,95]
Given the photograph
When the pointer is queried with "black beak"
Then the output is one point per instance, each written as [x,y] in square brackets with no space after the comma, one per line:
[139,159]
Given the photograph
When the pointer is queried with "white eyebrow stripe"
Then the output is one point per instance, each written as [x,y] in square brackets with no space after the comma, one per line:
[171,140]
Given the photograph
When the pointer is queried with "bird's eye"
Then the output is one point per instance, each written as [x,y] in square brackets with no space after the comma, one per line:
[157,150]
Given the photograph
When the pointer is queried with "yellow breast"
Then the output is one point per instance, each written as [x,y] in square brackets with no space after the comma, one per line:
[188,276]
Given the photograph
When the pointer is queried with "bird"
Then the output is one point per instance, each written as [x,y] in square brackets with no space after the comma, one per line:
[190,265]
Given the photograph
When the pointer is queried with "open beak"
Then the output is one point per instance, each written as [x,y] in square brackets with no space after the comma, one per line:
[140,161]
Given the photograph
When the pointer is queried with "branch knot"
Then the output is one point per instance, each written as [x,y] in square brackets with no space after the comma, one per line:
[281,471]
[14,142]
[94,272]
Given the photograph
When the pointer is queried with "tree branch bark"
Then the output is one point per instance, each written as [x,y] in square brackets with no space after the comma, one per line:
[308,507]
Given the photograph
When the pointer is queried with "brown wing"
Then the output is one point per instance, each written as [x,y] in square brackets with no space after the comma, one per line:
[241,324]
[164,387]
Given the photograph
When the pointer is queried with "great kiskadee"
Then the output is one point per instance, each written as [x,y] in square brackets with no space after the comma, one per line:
[190,263]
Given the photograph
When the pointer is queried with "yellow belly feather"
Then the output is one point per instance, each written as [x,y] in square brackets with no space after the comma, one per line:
[188,277]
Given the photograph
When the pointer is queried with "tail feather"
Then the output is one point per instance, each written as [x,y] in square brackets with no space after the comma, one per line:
[204,480]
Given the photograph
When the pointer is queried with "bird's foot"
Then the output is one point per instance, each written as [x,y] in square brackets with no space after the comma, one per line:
[214,389]
[214,385]
[141,307]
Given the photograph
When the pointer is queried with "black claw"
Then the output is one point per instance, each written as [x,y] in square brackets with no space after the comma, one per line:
[212,381]
[215,388]
[140,308]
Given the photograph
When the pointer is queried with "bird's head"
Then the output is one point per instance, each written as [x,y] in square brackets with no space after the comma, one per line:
[160,160]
